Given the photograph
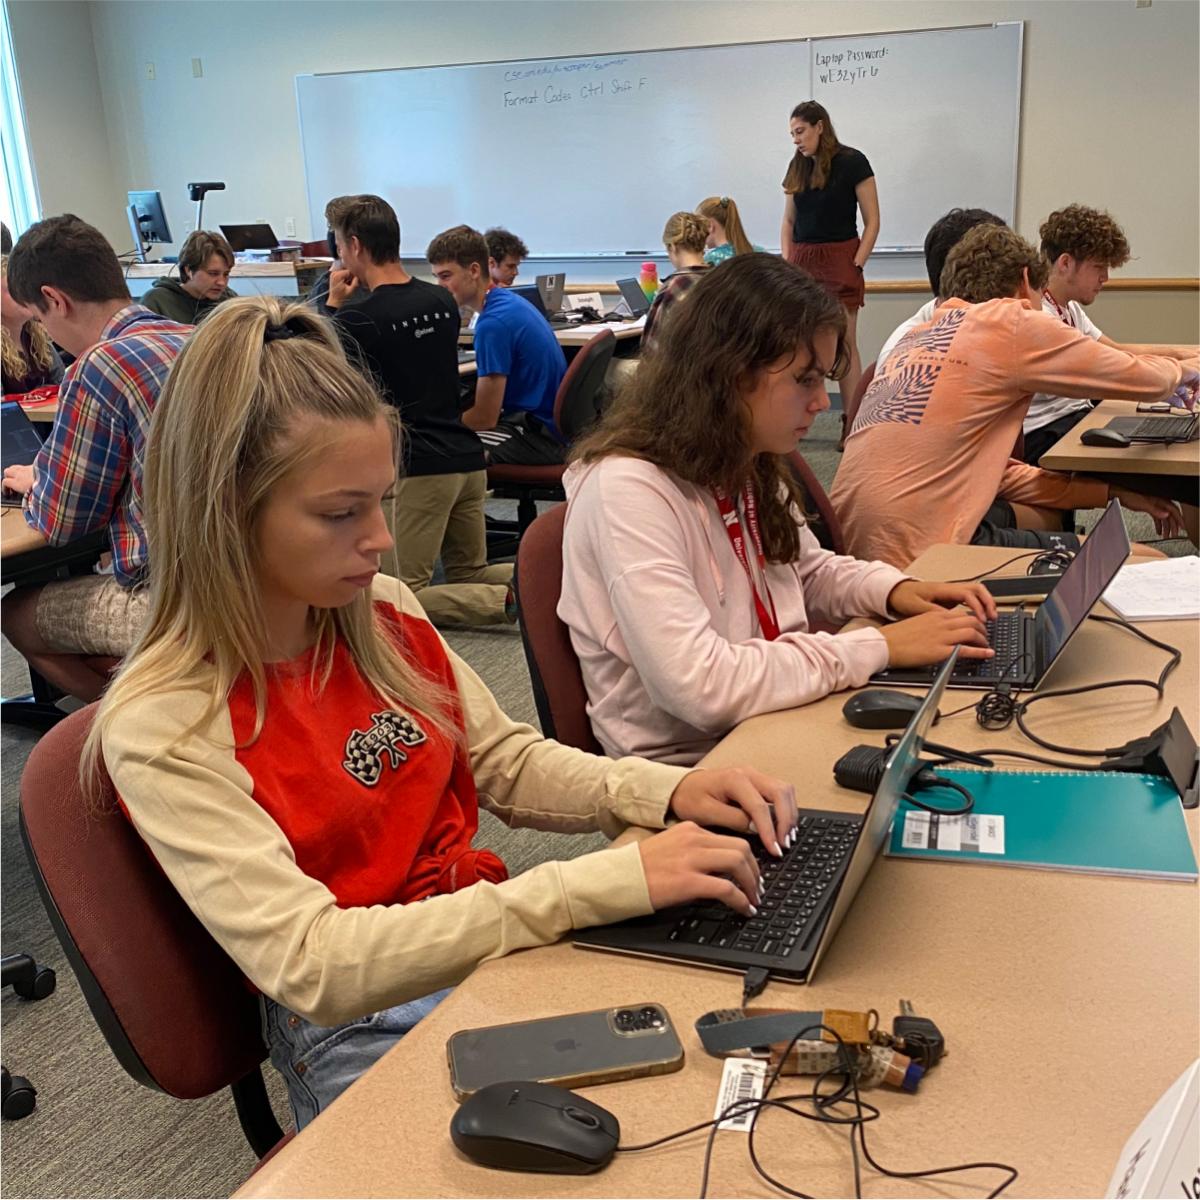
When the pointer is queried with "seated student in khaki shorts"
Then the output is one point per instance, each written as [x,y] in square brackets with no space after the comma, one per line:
[87,476]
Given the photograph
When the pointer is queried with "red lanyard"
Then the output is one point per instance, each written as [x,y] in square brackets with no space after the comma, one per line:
[1063,313]
[767,620]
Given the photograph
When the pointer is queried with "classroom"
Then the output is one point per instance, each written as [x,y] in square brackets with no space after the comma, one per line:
[570,630]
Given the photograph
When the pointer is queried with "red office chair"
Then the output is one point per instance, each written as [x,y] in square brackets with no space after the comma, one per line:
[576,407]
[850,411]
[824,520]
[558,689]
[171,1004]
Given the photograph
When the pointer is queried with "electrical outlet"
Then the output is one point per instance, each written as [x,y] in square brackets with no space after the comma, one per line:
[289,227]
[150,71]
[197,69]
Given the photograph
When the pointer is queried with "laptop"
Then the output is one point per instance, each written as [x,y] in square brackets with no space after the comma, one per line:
[550,288]
[1161,430]
[1027,644]
[632,294]
[806,894]
[533,293]
[21,444]
[250,237]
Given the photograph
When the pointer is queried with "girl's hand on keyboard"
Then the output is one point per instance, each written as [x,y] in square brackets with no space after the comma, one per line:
[687,863]
[739,798]
[911,598]
[931,637]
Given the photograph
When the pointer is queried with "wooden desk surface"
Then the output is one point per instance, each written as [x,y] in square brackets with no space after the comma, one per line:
[1070,454]
[241,270]
[15,535]
[580,335]
[1025,972]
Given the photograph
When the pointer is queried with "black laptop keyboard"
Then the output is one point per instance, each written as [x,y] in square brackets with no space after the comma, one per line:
[1175,429]
[1004,636]
[794,888]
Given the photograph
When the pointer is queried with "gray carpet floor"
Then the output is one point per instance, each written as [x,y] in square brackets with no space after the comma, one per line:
[97,1133]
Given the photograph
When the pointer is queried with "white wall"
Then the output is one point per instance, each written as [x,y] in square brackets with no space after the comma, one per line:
[64,111]
[1110,118]
[1110,108]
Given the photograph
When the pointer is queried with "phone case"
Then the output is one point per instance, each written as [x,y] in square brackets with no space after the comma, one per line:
[573,1050]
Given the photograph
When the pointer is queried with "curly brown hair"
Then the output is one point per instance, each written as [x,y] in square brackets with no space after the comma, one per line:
[683,410]
[986,264]
[1086,234]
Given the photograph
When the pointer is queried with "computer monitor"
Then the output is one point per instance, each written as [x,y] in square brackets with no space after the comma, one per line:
[146,208]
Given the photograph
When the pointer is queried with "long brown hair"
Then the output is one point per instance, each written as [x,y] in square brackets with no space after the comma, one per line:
[804,173]
[683,410]
[725,212]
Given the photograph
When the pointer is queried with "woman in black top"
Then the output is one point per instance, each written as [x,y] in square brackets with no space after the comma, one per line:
[826,184]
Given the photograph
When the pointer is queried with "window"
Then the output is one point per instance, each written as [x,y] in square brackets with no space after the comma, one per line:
[20,206]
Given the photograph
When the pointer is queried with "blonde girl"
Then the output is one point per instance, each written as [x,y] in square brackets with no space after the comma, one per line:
[27,355]
[685,236]
[305,757]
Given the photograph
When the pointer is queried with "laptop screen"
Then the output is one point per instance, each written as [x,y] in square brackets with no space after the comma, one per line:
[1092,569]
[631,290]
[550,287]
[532,294]
[20,439]
[880,813]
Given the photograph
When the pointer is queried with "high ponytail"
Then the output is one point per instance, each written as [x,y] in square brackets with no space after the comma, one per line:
[723,210]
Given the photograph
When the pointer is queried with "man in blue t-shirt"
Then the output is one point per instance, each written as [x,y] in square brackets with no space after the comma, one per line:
[517,357]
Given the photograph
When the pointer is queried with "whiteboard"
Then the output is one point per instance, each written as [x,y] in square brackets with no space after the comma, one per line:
[588,156]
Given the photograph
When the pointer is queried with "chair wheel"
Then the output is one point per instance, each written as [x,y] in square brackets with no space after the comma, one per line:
[20,1097]
[44,982]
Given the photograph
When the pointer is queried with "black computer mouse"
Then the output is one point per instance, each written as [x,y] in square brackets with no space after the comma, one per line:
[1103,437]
[535,1127]
[881,708]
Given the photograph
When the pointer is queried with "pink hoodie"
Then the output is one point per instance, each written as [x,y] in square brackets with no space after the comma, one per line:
[662,616]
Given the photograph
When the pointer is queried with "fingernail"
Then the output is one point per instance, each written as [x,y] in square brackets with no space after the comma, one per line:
[753,911]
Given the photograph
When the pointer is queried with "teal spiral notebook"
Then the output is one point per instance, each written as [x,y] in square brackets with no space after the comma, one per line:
[1098,821]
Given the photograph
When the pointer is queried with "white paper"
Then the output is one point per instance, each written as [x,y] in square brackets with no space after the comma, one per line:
[1160,1158]
[1164,590]
[741,1079]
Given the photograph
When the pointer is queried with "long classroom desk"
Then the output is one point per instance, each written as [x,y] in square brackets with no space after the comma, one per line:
[1131,466]
[1068,1001]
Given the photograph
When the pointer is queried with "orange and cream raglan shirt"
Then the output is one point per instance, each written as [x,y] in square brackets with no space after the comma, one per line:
[331,856]
[931,447]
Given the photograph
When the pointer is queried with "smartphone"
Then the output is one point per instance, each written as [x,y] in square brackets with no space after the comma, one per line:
[574,1050]
[1157,406]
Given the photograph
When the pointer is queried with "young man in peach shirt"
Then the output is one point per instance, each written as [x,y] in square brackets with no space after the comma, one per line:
[929,457]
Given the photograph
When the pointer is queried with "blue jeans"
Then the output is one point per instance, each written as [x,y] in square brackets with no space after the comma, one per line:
[318,1063]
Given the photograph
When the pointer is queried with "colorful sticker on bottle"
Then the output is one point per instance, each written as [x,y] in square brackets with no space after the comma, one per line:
[976,833]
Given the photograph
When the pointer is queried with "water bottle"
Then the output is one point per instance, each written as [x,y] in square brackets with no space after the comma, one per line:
[648,280]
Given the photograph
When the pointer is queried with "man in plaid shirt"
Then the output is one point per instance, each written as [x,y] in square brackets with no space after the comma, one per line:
[88,475]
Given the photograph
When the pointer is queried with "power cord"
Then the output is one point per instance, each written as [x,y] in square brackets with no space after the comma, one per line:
[1002,706]
[826,1111]
[1041,562]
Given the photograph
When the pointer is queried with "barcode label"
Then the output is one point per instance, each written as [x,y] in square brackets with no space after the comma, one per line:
[741,1079]
[978,833]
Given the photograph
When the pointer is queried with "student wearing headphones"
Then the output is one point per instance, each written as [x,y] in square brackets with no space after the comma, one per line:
[691,583]
[929,457]
[205,260]
[305,758]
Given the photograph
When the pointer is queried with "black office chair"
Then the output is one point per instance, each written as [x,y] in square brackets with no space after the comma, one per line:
[17,1095]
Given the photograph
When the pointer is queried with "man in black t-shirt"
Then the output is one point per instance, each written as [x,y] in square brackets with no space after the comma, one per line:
[405,333]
